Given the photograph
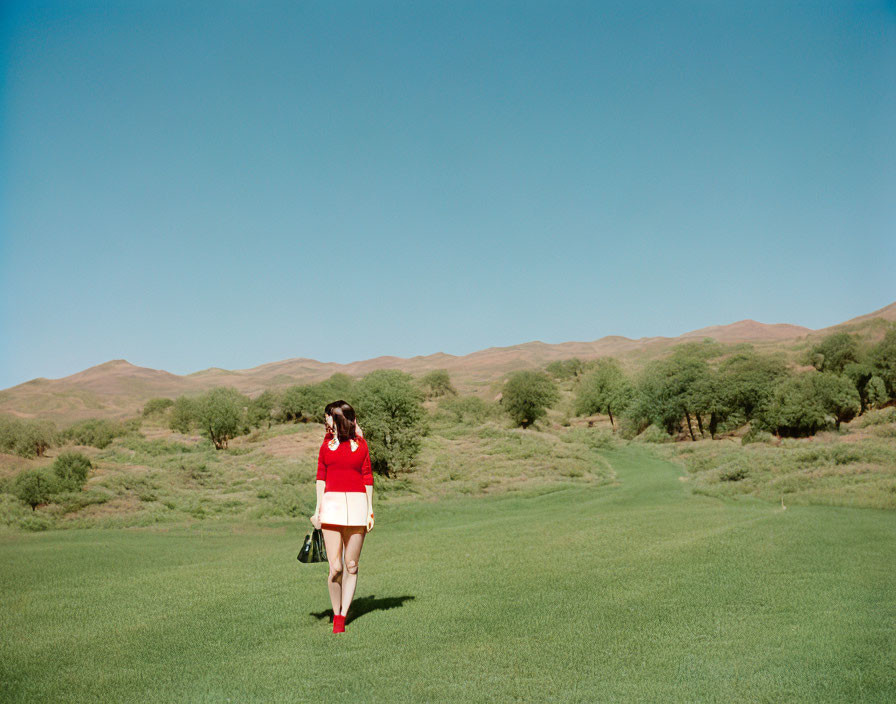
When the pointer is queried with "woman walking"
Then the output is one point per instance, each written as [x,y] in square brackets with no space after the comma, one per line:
[344,508]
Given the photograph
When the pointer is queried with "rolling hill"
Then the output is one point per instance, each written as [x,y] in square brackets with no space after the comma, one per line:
[117,388]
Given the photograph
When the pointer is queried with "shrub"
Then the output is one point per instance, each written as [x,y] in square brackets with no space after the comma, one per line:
[834,352]
[883,358]
[34,487]
[527,395]
[437,383]
[261,409]
[10,427]
[604,390]
[306,402]
[470,409]
[654,433]
[733,473]
[221,415]
[71,469]
[96,432]
[879,417]
[157,406]
[183,415]
[756,435]
[389,407]
[566,368]
[28,437]
[806,403]
[876,391]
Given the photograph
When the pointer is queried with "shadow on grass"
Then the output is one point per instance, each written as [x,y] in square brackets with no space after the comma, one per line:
[365,604]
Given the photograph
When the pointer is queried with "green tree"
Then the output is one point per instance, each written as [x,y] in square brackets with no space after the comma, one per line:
[838,396]
[221,414]
[305,403]
[33,487]
[795,409]
[876,392]
[10,430]
[806,403]
[527,395]
[834,352]
[35,437]
[707,398]
[860,373]
[300,402]
[261,408]
[664,391]
[747,380]
[606,390]
[183,415]
[71,470]
[437,383]
[389,407]
[883,358]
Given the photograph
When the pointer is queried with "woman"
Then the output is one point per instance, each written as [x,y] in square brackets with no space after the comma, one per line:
[344,508]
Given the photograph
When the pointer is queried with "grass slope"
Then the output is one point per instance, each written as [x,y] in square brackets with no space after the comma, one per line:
[638,591]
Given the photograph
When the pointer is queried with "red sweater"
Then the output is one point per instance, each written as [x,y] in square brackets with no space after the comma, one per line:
[342,469]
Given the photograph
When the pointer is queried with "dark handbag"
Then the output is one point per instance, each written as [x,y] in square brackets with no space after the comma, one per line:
[313,549]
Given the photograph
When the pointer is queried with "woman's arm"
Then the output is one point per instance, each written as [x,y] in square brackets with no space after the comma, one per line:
[320,484]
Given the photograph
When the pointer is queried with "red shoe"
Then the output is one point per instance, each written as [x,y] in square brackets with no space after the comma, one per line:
[338,623]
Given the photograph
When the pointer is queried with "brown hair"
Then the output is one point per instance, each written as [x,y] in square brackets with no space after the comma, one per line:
[343,418]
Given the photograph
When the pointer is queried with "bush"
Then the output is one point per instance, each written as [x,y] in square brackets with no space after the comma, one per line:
[733,473]
[389,407]
[604,390]
[96,432]
[437,383]
[71,469]
[9,432]
[880,417]
[527,395]
[27,437]
[834,352]
[261,409]
[566,368]
[183,415]
[469,409]
[306,402]
[876,391]
[654,434]
[157,406]
[806,403]
[631,427]
[756,435]
[221,415]
[34,487]
[14,513]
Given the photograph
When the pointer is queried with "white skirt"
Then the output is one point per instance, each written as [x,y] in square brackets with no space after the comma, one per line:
[344,508]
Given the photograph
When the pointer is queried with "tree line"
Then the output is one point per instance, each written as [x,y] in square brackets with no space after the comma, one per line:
[703,388]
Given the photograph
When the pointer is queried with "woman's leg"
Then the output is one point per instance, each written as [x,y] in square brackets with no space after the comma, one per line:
[354,539]
[333,543]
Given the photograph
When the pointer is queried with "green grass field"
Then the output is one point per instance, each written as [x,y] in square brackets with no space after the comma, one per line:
[633,591]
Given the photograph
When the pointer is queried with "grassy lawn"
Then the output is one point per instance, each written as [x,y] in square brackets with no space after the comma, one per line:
[637,590]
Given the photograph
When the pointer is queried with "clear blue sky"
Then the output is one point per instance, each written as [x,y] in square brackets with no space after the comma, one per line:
[196,184]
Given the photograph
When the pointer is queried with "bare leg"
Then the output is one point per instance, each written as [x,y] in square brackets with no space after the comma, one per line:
[333,543]
[354,539]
